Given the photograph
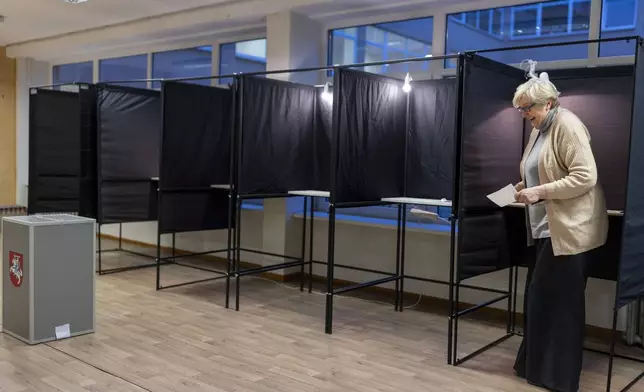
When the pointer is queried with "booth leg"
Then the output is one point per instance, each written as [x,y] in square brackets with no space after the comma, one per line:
[229,252]
[402,258]
[173,245]
[100,252]
[238,253]
[510,300]
[514,300]
[612,349]
[120,236]
[450,318]
[303,244]
[311,247]
[159,259]
[329,271]
[398,228]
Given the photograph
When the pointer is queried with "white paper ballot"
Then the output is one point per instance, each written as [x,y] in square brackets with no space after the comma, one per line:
[503,196]
[62,332]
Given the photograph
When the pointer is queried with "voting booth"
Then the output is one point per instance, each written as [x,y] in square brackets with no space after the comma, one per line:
[48,277]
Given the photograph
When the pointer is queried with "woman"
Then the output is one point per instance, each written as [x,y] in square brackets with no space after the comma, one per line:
[566,219]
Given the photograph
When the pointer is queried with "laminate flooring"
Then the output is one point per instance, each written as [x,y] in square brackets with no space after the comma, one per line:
[184,340]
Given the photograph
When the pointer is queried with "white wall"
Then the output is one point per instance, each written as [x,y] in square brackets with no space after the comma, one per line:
[427,256]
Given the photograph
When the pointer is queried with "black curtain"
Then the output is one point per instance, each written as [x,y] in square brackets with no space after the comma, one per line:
[631,272]
[323,132]
[277,136]
[601,98]
[430,146]
[491,149]
[88,175]
[129,134]
[195,154]
[54,151]
[370,137]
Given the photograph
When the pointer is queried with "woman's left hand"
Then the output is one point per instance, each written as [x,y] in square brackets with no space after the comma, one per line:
[530,195]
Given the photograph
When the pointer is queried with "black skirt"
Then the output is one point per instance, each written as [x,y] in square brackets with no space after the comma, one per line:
[551,353]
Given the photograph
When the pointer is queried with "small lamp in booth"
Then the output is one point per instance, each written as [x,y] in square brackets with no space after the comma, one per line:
[326,94]
[407,87]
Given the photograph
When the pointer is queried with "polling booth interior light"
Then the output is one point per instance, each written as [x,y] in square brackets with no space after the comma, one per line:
[326,94]
[407,87]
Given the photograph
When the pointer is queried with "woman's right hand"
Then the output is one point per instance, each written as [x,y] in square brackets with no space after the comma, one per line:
[519,187]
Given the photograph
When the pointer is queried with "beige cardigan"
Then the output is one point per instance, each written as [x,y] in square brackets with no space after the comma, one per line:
[575,203]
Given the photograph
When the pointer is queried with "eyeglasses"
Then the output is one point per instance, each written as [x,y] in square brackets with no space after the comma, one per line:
[526,108]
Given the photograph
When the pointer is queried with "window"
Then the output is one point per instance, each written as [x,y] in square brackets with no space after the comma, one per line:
[243,56]
[183,63]
[382,42]
[76,72]
[124,69]
[531,24]
[388,215]
[620,18]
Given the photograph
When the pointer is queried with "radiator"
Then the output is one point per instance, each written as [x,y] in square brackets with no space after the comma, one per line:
[634,334]
[11,210]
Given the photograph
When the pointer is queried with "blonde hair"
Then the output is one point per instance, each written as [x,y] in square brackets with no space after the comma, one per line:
[538,90]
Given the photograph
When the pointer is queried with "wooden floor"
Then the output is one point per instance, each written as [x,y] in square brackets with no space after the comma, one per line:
[184,339]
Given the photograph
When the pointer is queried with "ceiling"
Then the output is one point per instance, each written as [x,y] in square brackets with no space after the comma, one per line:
[54,30]
[27,20]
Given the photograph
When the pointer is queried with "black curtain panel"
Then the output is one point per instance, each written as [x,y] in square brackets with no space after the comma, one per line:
[631,272]
[601,97]
[491,149]
[129,134]
[54,151]
[430,145]
[195,154]
[88,175]
[492,140]
[323,132]
[370,138]
[277,136]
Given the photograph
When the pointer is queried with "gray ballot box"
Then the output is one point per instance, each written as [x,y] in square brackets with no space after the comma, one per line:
[48,285]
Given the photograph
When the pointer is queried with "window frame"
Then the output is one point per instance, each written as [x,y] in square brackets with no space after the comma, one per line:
[383,46]
[604,17]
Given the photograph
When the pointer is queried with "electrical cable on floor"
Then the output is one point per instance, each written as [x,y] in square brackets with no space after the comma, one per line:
[86,363]
[97,368]
[420,296]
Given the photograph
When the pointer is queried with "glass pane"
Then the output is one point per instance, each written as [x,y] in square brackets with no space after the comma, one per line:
[255,49]
[554,19]
[76,72]
[125,68]
[397,68]
[183,63]
[497,22]
[470,19]
[621,18]
[375,35]
[395,41]
[344,50]
[384,41]
[373,53]
[484,21]
[580,16]
[416,48]
[351,31]
[524,25]
[251,58]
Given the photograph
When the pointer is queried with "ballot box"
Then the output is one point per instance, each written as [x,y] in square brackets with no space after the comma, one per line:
[48,277]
